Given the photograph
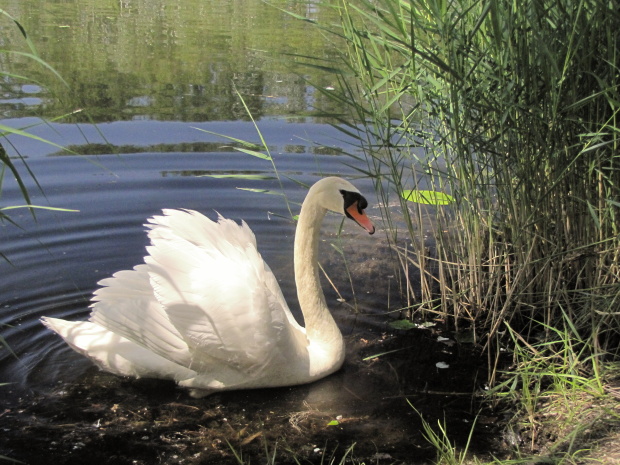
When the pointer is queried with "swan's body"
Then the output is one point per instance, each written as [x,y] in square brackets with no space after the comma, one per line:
[206,311]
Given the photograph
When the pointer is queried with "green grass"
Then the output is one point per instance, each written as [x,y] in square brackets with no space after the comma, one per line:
[273,456]
[447,452]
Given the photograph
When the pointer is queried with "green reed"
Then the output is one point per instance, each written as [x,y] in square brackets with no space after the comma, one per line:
[511,108]
[18,168]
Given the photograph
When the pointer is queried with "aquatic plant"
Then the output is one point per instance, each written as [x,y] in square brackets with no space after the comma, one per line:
[447,452]
[7,164]
[512,110]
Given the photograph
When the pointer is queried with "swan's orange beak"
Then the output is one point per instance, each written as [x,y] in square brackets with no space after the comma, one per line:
[360,217]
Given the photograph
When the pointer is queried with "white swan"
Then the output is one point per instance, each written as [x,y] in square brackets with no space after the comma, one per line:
[206,311]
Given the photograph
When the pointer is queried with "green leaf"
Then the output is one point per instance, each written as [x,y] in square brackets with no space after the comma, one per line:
[38,60]
[9,130]
[22,30]
[56,209]
[260,177]
[427,197]
[333,423]
[250,145]
[402,324]
[254,153]
[261,191]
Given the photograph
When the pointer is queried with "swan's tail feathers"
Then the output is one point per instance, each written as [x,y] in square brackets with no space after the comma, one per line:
[115,353]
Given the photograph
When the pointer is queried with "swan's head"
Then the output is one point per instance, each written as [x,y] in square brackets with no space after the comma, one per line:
[342,197]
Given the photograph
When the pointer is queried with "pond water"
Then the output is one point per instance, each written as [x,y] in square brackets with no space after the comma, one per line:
[148,76]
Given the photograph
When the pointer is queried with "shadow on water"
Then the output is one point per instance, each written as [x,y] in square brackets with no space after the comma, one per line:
[100,417]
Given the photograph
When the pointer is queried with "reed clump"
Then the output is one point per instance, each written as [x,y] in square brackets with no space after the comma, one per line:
[512,108]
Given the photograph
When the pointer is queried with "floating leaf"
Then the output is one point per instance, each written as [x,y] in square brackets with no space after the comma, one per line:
[260,191]
[333,423]
[445,340]
[427,197]
[402,324]
[426,324]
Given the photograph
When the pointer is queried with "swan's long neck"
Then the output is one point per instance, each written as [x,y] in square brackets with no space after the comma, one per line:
[321,329]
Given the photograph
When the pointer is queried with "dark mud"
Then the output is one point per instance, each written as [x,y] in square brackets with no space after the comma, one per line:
[366,411]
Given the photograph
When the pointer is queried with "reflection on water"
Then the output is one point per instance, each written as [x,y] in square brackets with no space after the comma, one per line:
[155,59]
[58,258]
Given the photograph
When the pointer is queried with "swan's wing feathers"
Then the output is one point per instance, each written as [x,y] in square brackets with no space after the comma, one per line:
[204,298]
[127,306]
[114,353]
[217,291]
[199,230]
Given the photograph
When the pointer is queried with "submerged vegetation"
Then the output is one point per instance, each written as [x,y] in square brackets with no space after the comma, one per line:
[512,109]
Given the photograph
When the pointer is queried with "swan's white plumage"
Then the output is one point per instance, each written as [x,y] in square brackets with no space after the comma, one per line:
[206,311]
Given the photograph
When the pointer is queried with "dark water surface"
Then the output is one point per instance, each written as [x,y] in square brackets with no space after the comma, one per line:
[148,74]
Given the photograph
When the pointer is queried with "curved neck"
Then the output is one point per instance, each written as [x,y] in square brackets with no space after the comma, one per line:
[320,325]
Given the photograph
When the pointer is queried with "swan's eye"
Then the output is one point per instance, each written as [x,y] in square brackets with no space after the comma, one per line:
[362,204]
[351,198]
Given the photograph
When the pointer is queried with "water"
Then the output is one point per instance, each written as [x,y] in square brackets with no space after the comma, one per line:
[58,258]
[149,75]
